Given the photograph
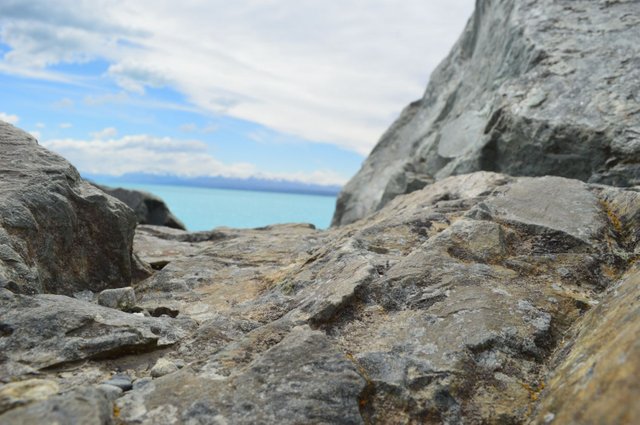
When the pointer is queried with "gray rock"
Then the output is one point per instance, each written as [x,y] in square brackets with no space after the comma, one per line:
[82,406]
[121,381]
[163,367]
[531,88]
[593,378]
[303,379]
[58,234]
[149,208]
[19,393]
[111,392]
[120,298]
[141,383]
[448,302]
[48,330]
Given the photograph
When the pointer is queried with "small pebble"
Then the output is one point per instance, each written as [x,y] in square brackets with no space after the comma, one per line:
[163,367]
[119,298]
[121,381]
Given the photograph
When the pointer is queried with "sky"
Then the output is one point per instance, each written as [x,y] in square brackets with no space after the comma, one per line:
[295,90]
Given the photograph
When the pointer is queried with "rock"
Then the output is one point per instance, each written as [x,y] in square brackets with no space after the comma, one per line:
[163,367]
[593,380]
[149,209]
[58,234]
[44,331]
[303,379]
[210,277]
[449,303]
[120,298]
[476,298]
[20,393]
[83,406]
[530,89]
[141,383]
[120,381]
[111,392]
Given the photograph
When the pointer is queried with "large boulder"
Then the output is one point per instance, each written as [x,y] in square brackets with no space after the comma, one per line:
[58,233]
[149,208]
[532,88]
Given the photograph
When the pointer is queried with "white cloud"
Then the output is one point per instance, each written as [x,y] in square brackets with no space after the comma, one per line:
[64,103]
[65,125]
[337,72]
[188,127]
[35,134]
[164,155]
[105,133]
[11,119]
[40,125]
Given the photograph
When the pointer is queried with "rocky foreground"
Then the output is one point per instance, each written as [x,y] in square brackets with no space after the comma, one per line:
[480,298]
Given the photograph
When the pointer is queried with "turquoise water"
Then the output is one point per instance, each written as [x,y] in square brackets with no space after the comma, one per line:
[206,208]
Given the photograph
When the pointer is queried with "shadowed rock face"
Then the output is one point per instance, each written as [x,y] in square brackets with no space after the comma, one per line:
[58,234]
[149,208]
[531,88]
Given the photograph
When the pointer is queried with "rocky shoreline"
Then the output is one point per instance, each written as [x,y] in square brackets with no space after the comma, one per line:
[467,296]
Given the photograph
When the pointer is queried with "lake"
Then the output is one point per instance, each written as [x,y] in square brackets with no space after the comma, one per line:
[205,208]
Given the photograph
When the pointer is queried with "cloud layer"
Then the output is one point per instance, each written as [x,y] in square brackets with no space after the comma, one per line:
[165,156]
[334,72]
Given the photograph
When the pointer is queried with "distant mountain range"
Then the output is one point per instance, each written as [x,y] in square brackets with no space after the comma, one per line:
[263,185]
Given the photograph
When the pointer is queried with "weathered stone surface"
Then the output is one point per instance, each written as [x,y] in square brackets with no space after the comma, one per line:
[211,277]
[594,380]
[163,367]
[16,394]
[149,208]
[451,304]
[58,234]
[111,392]
[531,88]
[48,330]
[448,303]
[303,379]
[83,406]
[121,381]
[476,298]
[121,298]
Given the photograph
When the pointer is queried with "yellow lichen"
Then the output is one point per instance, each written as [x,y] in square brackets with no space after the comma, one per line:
[614,219]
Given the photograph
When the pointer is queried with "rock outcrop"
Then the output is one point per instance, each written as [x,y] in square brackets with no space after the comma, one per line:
[58,233]
[473,300]
[531,88]
[481,298]
[149,208]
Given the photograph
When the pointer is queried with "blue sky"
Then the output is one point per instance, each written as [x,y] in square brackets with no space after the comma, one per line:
[280,89]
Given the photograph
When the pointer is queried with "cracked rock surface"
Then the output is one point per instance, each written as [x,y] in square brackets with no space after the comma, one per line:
[457,303]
